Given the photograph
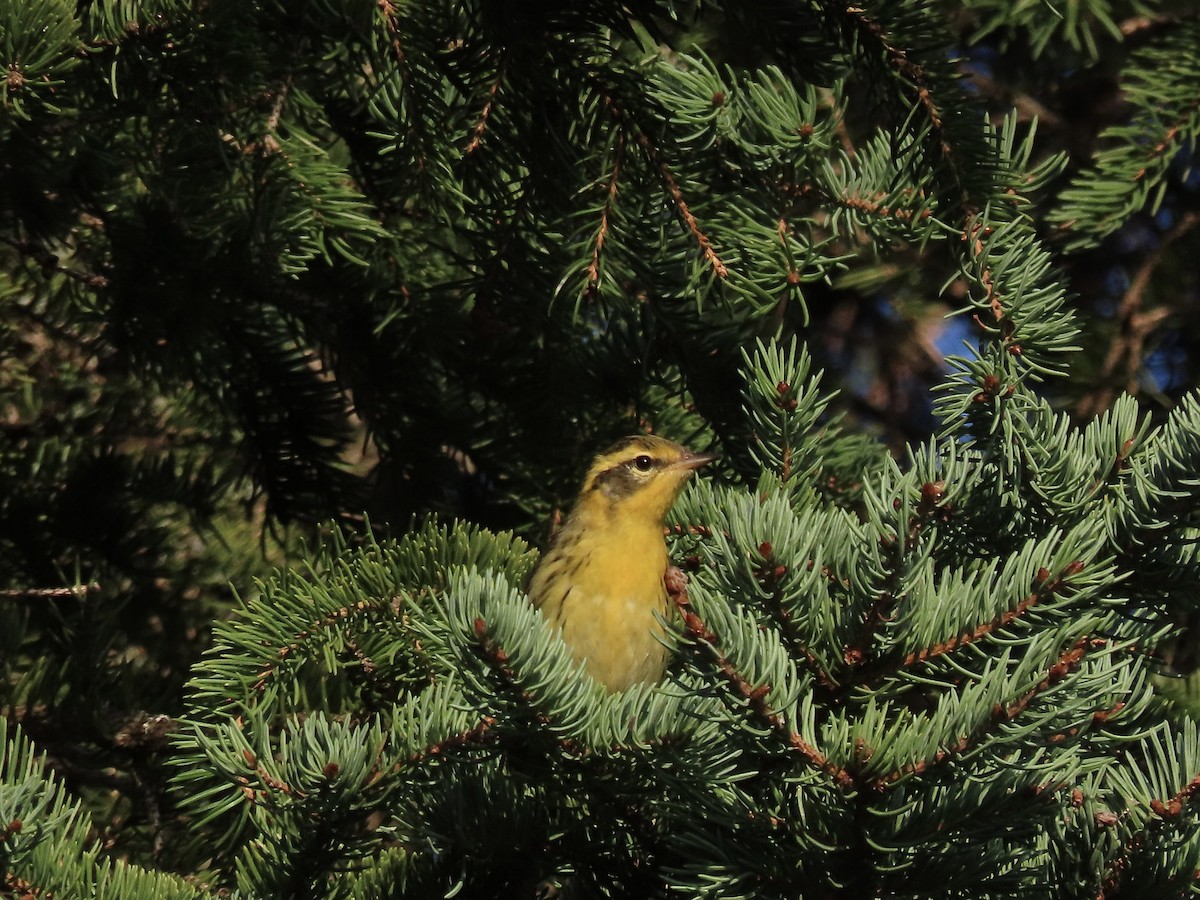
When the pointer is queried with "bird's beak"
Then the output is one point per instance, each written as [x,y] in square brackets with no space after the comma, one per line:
[692,461]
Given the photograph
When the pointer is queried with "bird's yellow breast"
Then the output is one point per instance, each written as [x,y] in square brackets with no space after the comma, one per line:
[602,584]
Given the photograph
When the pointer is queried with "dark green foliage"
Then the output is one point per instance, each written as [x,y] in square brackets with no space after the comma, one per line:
[1138,160]
[266,264]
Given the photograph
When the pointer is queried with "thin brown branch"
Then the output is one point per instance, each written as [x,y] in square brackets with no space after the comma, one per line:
[390,18]
[277,105]
[593,269]
[770,577]
[1048,586]
[754,695]
[479,735]
[882,609]
[1134,327]
[49,262]
[271,669]
[1164,811]
[685,213]
[58,593]
[485,114]
[873,205]
[914,74]
[1065,665]
[975,233]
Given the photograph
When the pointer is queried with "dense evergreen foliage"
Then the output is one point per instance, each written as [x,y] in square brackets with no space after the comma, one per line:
[266,268]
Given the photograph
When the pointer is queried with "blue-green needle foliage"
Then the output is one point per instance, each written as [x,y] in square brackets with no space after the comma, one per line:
[47,841]
[936,685]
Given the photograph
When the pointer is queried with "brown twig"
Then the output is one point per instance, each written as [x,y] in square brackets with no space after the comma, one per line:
[485,114]
[388,10]
[59,593]
[1065,665]
[271,669]
[856,655]
[49,262]
[754,695]
[593,269]
[685,213]
[770,577]
[1135,326]
[1048,586]
[913,73]
[1165,811]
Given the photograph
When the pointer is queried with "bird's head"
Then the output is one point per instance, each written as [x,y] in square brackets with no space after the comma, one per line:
[640,476]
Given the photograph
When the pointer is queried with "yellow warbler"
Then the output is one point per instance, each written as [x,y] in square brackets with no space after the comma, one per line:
[601,579]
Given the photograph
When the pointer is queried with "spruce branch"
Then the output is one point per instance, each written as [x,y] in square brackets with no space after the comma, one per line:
[592,287]
[680,204]
[77,591]
[485,114]
[771,575]
[753,696]
[391,19]
[49,262]
[482,734]
[896,551]
[1151,820]
[1048,586]
[1065,665]
[910,71]
[681,207]
[1131,170]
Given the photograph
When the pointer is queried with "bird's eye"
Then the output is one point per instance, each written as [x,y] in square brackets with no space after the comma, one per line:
[643,463]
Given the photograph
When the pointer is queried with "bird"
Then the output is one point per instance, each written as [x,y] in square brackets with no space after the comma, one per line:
[600,581]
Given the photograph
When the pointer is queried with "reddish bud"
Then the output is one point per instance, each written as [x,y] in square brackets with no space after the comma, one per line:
[250,758]
[1043,575]
[330,771]
[718,99]
[1106,819]
[1074,567]
[783,387]
[674,580]
[765,549]
[1077,798]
